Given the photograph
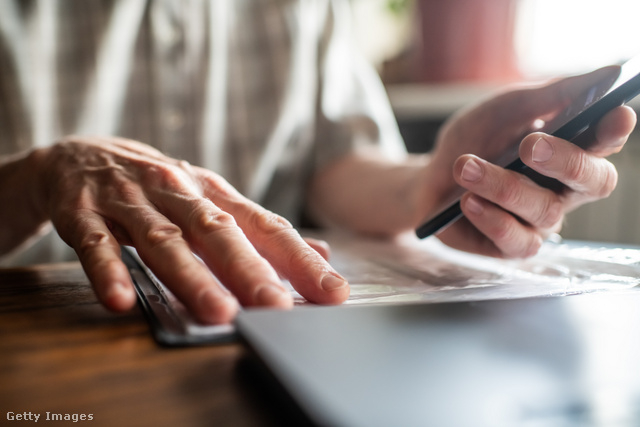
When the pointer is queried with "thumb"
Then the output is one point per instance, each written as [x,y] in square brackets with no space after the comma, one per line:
[573,92]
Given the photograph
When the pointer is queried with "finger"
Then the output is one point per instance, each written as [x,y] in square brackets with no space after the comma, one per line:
[613,130]
[513,238]
[463,235]
[161,246]
[319,246]
[309,273]
[512,191]
[591,176]
[99,254]
[610,134]
[277,241]
[218,240]
[550,98]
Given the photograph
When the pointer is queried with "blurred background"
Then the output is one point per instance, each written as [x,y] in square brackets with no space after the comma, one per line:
[436,56]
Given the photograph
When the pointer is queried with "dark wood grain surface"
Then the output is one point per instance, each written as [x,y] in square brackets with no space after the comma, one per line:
[63,353]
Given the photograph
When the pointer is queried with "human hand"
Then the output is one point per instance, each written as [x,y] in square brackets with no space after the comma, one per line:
[103,192]
[506,214]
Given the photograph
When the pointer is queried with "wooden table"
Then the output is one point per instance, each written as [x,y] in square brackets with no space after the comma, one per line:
[63,353]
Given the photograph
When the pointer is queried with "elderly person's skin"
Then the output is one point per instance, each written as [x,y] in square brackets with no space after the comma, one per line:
[103,192]
[506,214]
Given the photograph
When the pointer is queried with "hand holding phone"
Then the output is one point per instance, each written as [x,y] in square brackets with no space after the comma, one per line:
[615,87]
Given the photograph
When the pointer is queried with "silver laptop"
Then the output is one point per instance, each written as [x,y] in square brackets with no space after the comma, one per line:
[556,361]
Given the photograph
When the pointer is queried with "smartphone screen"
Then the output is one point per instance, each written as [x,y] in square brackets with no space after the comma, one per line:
[617,87]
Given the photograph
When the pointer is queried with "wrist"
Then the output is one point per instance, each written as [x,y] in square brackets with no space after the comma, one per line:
[431,187]
[438,178]
[22,215]
[35,183]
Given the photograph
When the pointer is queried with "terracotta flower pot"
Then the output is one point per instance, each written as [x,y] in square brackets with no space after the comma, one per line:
[467,40]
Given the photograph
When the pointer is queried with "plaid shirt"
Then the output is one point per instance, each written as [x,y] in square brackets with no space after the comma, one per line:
[263,92]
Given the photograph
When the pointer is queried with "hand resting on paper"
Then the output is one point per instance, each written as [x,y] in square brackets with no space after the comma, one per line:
[100,193]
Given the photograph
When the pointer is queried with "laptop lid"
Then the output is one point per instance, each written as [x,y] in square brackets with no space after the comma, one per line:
[561,361]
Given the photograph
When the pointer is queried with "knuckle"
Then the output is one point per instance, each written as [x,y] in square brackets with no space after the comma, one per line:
[530,248]
[595,180]
[161,174]
[550,214]
[269,223]
[160,235]
[205,220]
[504,234]
[507,195]
[609,181]
[112,172]
[91,241]
[578,169]
[165,176]
[515,246]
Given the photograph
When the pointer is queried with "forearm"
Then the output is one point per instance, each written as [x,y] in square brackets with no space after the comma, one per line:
[367,193]
[20,218]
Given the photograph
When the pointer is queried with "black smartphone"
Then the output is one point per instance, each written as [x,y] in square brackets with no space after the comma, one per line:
[614,90]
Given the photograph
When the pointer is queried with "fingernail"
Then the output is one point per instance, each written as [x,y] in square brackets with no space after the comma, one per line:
[216,307]
[542,151]
[117,288]
[117,292]
[618,142]
[474,206]
[271,295]
[211,301]
[471,171]
[331,283]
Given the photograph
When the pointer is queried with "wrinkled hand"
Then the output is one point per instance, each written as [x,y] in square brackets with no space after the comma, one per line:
[507,214]
[103,192]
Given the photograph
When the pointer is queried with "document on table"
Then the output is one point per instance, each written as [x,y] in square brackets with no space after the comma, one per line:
[409,270]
